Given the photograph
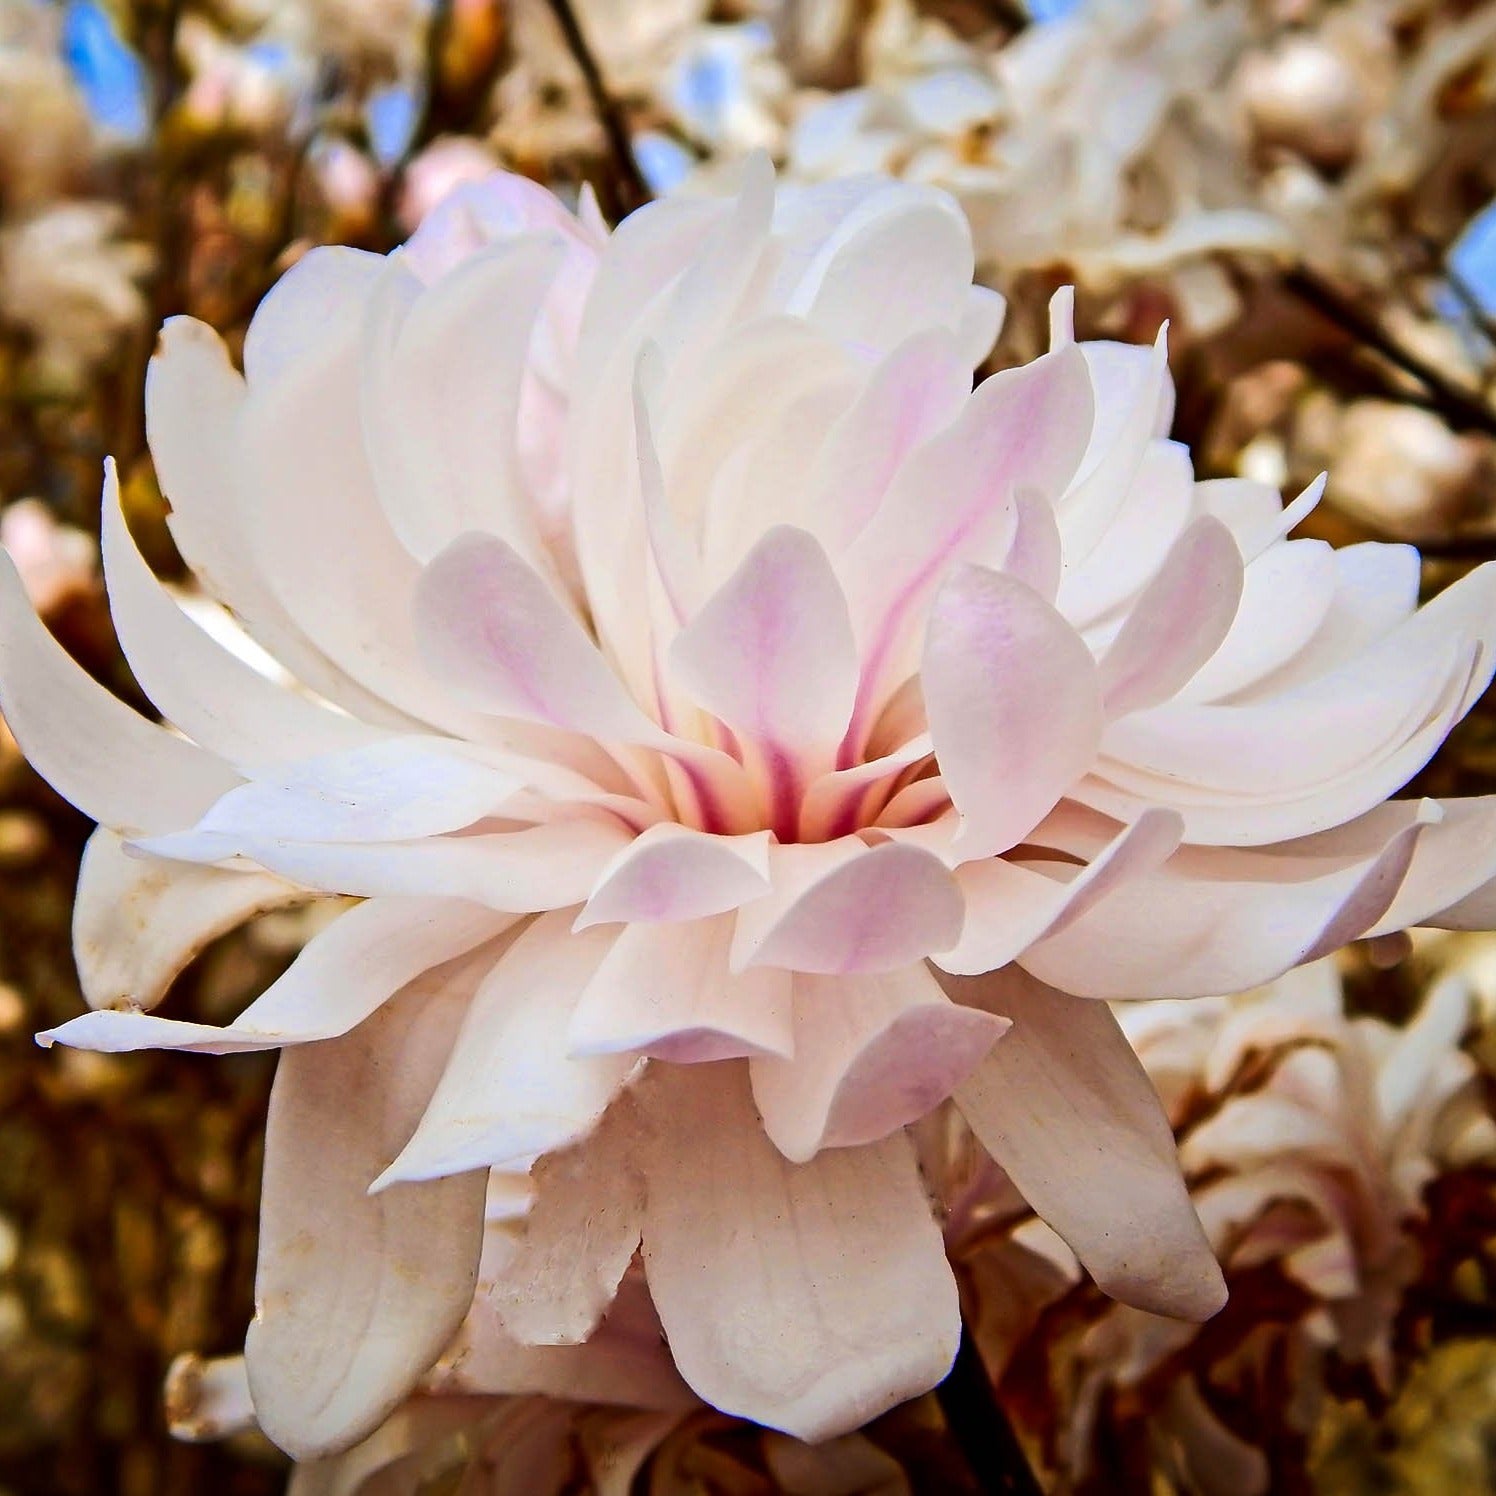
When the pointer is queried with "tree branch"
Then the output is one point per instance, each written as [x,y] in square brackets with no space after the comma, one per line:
[981,1428]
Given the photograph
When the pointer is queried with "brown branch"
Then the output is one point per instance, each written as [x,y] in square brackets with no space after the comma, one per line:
[1462,408]
[632,190]
[981,1428]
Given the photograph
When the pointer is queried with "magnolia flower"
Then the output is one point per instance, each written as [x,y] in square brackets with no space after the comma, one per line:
[1309,1138]
[744,736]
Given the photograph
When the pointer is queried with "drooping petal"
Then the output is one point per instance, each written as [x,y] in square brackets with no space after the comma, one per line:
[511,1090]
[112,764]
[1012,696]
[1178,621]
[665,990]
[563,1260]
[356,1294]
[345,973]
[1065,1107]
[763,1270]
[844,906]
[871,1054]
[138,920]
[771,653]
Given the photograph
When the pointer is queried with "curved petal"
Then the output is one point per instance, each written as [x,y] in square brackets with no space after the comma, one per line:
[1217,920]
[771,653]
[113,764]
[843,906]
[139,920]
[356,1294]
[1012,696]
[1178,621]
[666,991]
[871,1054]
[1065,1107]
[511,1091]
[807,1297]
[344,974]
[1010,906]
[213,696]
[493,631]
[672,872]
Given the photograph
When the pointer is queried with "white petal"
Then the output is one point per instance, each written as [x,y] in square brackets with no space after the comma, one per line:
[511,1091]
[666,991]
[345,973]
[566,1257]
[1216,920]
[356,1294]
[806,1297]
[139,920]
[1012,697]
[112,764]
[871,1054]
[672,872]
[1065,1107]
[843,906]
[213,696]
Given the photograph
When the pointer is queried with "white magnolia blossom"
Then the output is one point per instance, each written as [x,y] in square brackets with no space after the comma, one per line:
[743,736]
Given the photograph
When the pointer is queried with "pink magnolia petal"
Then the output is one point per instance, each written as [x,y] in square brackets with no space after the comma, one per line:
[871,1054]
[1065,1107]
[1015,713]
[953,502]
[563,1261]
[511,1091]
[356,1294]
[1285,596]
[771,653]
[672,872]
[115,766]
[1178,621]
[345,973]
[763,1270]
[843,906]
[666,991]
[1009,906]
[492,629]
[138,921]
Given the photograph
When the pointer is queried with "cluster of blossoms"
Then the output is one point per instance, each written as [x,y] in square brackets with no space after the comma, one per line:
[1308,1138]
[742,738]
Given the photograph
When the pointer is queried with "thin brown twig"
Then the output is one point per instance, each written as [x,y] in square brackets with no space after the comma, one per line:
[633,190]
[1461,407]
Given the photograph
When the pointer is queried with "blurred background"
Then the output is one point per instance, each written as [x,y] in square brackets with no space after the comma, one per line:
[1302,188]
